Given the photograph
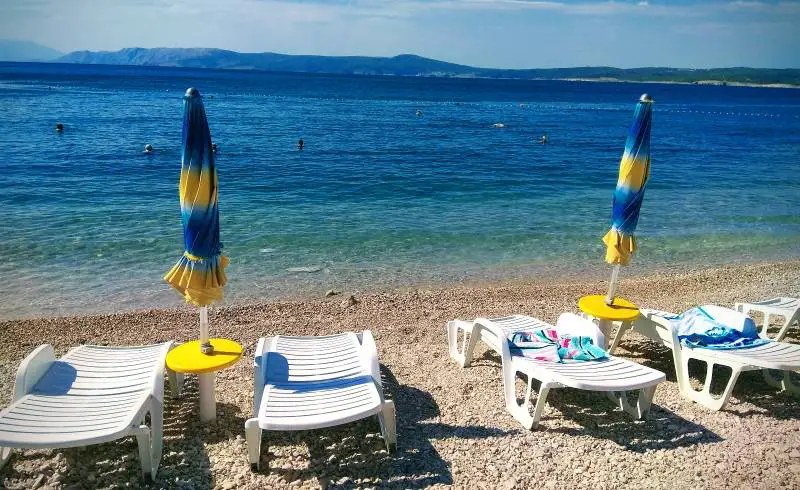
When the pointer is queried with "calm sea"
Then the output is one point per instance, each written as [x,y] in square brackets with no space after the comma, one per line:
[380,197]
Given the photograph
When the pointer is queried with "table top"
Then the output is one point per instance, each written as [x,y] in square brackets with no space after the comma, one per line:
[187,358]
[621,309]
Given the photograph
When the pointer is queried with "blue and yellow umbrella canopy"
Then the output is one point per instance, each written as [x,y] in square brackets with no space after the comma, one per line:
[634,169]
[199,275]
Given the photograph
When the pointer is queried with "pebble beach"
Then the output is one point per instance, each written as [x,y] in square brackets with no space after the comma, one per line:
[453,430]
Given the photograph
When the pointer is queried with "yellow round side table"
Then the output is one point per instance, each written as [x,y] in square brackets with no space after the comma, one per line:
[187,358]
[621,310]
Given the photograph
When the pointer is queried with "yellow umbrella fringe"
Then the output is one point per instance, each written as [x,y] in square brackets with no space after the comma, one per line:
[199,287]
[620,247]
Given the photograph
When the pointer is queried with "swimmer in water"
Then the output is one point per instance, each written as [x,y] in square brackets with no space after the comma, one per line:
[59,127]
[148,148]
[214,147]
[419,113]
[543,139]
[301,144]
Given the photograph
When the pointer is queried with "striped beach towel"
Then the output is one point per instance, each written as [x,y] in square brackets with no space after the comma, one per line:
[545,344]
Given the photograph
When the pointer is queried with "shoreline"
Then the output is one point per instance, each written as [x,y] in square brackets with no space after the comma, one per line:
[453,429]
[715,83]
[596,276]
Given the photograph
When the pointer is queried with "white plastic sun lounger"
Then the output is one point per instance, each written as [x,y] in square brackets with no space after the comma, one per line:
[788,308]
[780,356]
[613,375]
[306,383]
[93,394]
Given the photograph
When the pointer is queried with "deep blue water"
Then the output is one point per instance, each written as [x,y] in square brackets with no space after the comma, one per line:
[379,197]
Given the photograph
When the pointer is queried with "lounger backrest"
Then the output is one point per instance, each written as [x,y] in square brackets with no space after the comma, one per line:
[572,324]
[298,359]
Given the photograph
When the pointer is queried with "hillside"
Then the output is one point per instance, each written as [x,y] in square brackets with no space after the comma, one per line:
[412,65]
[15,50]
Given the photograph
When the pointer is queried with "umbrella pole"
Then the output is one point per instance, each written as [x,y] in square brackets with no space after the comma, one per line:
[205,345]
[612,285]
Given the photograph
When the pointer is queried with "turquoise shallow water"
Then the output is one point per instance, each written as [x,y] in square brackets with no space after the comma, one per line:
[379,197]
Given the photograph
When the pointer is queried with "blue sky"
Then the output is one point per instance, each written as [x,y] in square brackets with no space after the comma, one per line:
[490,33]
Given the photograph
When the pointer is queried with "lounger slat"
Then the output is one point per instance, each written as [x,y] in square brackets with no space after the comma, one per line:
[16,419]
[63,381]
[79,413]
[297,395]
[305,369]
[323,362]
[274,410]
[36,436]
[355,413]
[332,344]
[324,376]
[317,401]
[346,354]
[79,400]
[108,358]
[111,367]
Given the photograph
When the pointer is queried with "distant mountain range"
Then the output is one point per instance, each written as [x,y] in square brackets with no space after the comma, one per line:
[412,65]
[16,50]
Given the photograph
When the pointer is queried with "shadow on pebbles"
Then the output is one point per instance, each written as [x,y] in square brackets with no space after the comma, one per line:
[452,427]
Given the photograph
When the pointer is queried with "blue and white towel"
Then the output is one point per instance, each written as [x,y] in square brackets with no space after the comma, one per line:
[715,327]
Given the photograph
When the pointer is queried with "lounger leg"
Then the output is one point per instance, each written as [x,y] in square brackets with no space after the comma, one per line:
[5,455]
[143,438]
[788,384]
[151,440]
[704,396]
[252,434]
[541,400]
[642,408]
[784,383]
[463,357]
[388,425]
[156,435]
[624,327]
[522,412]
[175,382]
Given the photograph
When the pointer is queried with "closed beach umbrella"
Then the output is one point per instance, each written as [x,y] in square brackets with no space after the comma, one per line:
[634,169]
[199,275]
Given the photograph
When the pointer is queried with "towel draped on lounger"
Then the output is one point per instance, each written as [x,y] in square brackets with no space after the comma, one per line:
[545,344]
[713,327]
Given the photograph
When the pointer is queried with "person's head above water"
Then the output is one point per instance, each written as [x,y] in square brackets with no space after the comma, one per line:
[300,143]
[148,148]
[59,127]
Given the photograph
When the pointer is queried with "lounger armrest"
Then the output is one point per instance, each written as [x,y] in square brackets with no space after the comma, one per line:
[158,376]
[259,375]
[370,357]
[32,368]
[502,340]
[259,352]
[654,325]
